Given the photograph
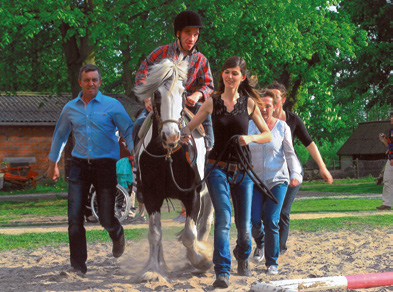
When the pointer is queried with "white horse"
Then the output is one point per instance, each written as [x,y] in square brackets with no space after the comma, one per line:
[169,169]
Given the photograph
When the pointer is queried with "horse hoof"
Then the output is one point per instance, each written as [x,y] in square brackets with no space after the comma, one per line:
[204,265]
[152,277]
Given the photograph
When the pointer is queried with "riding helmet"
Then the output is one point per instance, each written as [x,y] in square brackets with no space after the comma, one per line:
[187,18]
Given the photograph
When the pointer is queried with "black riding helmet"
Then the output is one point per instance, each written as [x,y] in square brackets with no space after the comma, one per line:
[187,18]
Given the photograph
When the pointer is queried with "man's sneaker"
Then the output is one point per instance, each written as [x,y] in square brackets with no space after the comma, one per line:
[384,207]
[118,246]
[243,269]
[259,254]
[140,220]
[272,270]
[222,281]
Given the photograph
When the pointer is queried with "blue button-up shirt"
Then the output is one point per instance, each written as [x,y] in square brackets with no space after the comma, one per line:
[94,126]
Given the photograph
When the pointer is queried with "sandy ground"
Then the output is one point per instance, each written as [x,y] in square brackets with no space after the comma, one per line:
[310,255]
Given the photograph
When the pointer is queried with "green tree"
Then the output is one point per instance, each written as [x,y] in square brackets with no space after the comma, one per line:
[368,76]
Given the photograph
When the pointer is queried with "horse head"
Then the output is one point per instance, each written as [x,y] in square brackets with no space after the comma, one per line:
[164,84]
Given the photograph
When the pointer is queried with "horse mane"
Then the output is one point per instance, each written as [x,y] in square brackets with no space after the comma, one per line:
[158,74]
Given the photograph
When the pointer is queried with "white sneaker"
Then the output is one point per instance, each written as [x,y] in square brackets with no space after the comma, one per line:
[272,270]
[259,254]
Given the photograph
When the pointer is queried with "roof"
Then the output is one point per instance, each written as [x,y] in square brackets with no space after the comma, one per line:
[43,109]
[365,141]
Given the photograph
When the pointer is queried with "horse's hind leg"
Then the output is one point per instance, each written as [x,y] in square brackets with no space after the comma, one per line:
[156,268]
[205,218]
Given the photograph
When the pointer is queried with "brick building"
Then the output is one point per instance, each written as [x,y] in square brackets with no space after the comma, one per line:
[27,122]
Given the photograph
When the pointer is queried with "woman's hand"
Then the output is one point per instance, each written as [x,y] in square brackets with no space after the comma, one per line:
[185,135]
[294,182]
[245,140]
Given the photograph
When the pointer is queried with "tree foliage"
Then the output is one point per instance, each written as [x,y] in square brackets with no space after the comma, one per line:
[326,57]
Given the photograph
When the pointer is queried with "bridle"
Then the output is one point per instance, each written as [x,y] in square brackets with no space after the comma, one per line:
[160,122]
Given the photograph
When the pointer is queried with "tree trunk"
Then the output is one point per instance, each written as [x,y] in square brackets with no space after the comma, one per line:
[75,58]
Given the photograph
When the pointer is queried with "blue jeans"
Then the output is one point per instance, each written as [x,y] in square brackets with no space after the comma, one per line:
[220,191]
[207,125]
[284,217]
[102,174]
[265,209]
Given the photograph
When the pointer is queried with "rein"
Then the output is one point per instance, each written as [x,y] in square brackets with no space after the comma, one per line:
[246,167]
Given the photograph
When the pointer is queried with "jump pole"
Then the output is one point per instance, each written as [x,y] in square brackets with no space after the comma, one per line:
[319,284]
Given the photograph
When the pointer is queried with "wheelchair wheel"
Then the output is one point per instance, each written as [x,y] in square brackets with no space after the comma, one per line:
[122,203]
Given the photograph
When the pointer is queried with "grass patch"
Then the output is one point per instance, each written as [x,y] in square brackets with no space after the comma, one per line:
[334,205]
[12,210]
[34,240]
[342,223]
[359,188]
[367,179]
[45,187]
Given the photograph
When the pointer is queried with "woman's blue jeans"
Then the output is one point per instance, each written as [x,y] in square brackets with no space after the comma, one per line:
[102,174]
[220,191]
[266,234]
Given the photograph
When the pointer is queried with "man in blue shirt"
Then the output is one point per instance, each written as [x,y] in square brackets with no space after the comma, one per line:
[93,118]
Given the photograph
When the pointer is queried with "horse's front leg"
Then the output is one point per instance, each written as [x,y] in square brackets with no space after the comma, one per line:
[156,268]
[199,253]
[205,217]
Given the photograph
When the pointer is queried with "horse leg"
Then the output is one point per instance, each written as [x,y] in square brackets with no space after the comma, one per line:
[199,253]
[205,218]
[156,268]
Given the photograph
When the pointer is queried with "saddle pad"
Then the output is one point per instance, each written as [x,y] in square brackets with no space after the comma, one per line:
[145,126]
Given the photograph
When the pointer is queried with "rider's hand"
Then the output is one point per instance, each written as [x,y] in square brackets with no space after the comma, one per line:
[193,98]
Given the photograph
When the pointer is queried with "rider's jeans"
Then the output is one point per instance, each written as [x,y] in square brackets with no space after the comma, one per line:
[102,174]
[220,191]
[266,234]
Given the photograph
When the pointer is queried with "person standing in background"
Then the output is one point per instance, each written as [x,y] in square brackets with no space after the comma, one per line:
[387,193]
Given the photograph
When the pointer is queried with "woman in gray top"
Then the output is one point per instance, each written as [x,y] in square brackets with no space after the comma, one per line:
[271,162]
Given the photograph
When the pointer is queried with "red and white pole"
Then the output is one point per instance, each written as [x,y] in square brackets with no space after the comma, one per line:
[320,284]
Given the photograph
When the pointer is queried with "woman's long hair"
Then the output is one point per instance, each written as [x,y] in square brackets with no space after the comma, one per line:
[245,87]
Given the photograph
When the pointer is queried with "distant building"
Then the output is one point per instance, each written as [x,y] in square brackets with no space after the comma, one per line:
[363,148]
[27,122]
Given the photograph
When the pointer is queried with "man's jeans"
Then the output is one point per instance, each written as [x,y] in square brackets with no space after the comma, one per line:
[102,174]
[220,191]
[285,216]
[266,233]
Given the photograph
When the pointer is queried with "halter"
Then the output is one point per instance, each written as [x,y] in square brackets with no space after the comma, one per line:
[176,76]
[161,123]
